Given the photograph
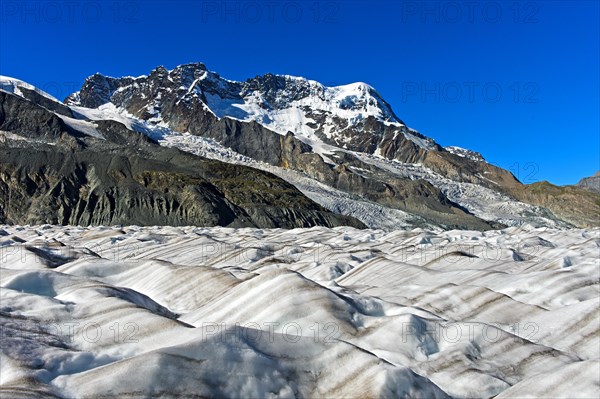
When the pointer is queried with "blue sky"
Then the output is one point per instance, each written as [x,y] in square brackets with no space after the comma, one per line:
[516,81]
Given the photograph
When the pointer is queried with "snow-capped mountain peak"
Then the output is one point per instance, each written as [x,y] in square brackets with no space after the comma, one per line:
[353,116]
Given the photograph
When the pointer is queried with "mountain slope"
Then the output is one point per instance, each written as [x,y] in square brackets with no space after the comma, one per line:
[571,203]
[60,170]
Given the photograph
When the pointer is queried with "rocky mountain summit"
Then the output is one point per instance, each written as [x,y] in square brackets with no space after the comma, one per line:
[591,183]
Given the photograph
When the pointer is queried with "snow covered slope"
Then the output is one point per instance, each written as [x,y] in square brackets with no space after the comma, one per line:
[16,86]
[216,312]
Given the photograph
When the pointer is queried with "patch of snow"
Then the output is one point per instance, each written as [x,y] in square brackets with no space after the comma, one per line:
[108,111]
[82,126]
[8,136]
[425,143]
[464,153]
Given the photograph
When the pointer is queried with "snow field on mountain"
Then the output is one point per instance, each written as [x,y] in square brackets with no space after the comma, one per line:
[353,103]
[184,311]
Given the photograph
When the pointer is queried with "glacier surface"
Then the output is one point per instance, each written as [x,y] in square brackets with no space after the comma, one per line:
[216,312]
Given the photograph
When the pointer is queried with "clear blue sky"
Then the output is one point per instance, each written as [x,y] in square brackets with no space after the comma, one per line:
[516,81]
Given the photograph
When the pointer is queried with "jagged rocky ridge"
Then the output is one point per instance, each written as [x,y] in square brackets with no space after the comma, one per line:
[64,171]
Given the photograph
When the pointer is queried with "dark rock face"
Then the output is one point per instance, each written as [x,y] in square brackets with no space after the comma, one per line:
[98,89]
[23,118]
[65,189]
[62,176]
[45,102]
